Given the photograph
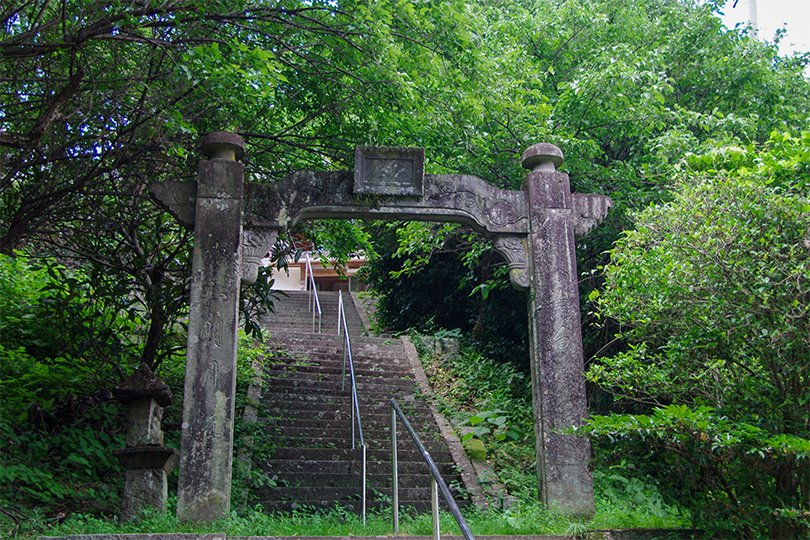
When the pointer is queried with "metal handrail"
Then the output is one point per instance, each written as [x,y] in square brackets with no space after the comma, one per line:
[347,353]
[436,482]
[309,280]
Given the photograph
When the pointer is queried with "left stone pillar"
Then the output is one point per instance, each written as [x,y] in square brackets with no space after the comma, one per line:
[206,452]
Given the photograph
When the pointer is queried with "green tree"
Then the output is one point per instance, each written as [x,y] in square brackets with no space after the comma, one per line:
[101,98]
[712,292]
[626,89]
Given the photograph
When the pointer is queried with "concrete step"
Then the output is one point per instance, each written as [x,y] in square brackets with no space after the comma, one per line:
[334,365]
[332,387]
[316,409]
[342,432]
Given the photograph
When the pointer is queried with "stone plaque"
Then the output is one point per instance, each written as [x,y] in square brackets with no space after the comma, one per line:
[380,170]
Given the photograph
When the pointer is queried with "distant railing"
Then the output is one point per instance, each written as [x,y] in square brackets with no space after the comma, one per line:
[309,281]
[436,482]
[347,354]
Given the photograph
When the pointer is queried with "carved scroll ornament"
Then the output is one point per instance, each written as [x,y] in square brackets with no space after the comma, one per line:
[514,250]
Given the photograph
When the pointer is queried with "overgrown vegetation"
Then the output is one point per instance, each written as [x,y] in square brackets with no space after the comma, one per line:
[61,352]
[713,294]
[491,401]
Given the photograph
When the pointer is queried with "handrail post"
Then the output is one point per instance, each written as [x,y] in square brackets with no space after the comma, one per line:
[364,484]
[354,405]
[434,507]
[355,402]
[341,313]
[313,292]
[437,483]
[395,467]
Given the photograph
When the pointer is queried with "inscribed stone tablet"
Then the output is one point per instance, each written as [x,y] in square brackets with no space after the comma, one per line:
[382,170]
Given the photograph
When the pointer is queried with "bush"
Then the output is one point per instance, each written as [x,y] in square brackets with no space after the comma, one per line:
[712,292]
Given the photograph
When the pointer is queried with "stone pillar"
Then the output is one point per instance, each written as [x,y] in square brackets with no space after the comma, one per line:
[146,460]
[206,460]
[558,383]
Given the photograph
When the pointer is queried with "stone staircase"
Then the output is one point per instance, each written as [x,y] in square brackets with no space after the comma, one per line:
[292,314]
[309,420]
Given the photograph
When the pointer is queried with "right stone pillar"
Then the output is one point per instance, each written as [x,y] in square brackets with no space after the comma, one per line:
[558,384]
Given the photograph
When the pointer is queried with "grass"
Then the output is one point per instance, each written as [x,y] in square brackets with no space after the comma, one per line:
[523,519]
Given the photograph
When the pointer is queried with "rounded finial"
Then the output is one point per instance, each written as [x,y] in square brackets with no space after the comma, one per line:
[223,145]
[542,157]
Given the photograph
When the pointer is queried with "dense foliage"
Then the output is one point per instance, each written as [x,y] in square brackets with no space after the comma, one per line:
[713,294]
[101,98]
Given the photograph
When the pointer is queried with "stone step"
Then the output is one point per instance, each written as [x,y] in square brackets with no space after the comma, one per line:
[316,409]
[340,494]
[355,505]
[339,383]
[380,454]
[383,468]
[309,419]
[326,387]
[274,394]
[322,348]
[311,369]
[341,432]
[294,337]
[288,367]
[328,479]
[379,422]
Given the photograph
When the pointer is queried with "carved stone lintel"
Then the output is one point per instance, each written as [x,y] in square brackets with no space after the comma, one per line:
[513,249]
[589,211]
[256,243]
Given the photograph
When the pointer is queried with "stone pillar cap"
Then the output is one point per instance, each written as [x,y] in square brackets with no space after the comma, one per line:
[223,145]
[542,157]
[143,384]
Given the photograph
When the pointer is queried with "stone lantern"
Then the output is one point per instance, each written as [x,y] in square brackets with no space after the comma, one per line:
[146,460]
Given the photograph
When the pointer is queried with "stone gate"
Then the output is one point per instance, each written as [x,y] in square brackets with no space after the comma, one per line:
[236,223]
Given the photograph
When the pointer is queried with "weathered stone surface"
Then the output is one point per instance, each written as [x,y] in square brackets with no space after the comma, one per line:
[223,145]
[144,536]
[542,157]
[143,384]
[143,423]
[589,211]
[515,250]
[256,244]
[558,383]
[178,198]
[145,459]
[208,408]
[382,170]
[148,457]
[321,195]
[329,195]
